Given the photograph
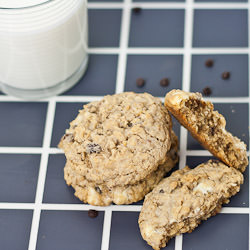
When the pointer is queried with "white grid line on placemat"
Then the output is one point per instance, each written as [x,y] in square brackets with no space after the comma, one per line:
[106,228]
[167,51]
[124,36]
[53,150]
[168,5]
[42,174]
[120,83]
[186,76]
[116,208]
[78,98]
[170,51]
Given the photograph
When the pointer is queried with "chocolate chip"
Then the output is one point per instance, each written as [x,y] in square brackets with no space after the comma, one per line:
[92,213]
[214,161]
[137,10]
[93,148]
[161,191]
[130,124]
[140,82]
[98,190]
[207,91]
[68,137]
[212,131]
[209,63]
[225,75]
[228,146]
[164,82]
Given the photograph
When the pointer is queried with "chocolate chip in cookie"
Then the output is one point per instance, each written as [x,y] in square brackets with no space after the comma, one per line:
[93,148]
[68,137]
[129,124]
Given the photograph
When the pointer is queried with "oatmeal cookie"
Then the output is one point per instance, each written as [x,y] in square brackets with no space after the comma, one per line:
[180,202]
[120,139]
[207,126]
[103,195]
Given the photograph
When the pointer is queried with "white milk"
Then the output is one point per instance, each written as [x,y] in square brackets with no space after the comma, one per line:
[43,46]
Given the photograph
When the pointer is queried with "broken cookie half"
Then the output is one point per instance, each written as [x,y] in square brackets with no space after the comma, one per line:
[207,126]
[180,202]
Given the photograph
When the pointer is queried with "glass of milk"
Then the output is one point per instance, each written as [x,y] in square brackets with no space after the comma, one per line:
[43,46]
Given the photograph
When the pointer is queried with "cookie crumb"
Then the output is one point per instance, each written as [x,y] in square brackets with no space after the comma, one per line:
[209,63]
[225,75]
[93,148]
[137,10]
[140,82]
[164,82]
[92,213]
[207,91]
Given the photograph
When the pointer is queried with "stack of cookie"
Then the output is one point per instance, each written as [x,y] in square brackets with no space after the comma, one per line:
[179,203]
[118,149]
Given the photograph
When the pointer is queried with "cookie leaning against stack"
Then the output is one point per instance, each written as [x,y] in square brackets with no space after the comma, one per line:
[179,203]
[207,126]
[118,149]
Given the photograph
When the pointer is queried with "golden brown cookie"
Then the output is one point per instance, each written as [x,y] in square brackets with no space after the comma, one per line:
[180,202]
[207,126]
[103,195]
[120,139]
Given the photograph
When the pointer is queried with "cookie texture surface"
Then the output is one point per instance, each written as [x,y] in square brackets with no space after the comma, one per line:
[120,139]
[179,203]
[207,126]
[103,195]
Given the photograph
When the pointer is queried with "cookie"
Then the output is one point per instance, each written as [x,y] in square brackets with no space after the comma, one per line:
[120,139]
[103,195]
[180,202]
[207,126]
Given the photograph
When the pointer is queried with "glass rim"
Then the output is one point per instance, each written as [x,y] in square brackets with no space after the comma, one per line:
[26,7]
